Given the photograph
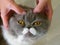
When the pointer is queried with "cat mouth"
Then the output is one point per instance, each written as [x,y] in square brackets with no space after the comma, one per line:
[23,38]
[29,35]
[28,38]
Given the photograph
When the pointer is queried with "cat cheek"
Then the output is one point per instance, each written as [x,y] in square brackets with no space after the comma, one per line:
[25,30]
[33,31]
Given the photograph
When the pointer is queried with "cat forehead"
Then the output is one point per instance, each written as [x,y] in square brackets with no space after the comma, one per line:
[31,16]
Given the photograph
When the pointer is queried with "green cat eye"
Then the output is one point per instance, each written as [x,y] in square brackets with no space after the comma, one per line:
[37,23]
[21,22]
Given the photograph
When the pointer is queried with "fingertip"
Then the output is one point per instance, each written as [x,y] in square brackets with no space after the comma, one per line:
[36,10]
[5,24]
[20,12]
[5,21]
[17,9]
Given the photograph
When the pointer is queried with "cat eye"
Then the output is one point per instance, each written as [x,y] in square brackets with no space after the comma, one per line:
[37,23]
[21,22]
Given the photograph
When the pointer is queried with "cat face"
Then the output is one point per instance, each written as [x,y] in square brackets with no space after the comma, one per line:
[29,26]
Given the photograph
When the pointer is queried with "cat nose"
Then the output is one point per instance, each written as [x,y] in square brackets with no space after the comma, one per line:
[28,26]
[29,34]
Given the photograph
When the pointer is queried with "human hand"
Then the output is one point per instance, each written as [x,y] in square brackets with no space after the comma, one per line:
[5,7]
[44,5]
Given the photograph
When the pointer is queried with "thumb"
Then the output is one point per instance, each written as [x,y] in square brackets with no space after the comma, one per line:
[50,11]
[40,5]
[4,17]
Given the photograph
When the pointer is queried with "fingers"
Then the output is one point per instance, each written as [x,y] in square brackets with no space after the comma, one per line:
[9,5]
[0,11]
[4,17]
[5,21]
[40,6]
[50,11]
[17,8]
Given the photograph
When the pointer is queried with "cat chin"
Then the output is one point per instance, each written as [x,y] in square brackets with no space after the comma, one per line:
[11,40]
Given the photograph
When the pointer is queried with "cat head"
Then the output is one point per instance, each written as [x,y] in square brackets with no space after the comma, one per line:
[30,26]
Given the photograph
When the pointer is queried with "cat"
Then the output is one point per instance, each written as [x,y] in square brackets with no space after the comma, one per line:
[26,29]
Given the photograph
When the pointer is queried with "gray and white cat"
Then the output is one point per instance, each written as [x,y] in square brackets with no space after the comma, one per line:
[26,29]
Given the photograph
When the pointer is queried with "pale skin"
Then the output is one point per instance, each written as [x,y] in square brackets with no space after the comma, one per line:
[7,5]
